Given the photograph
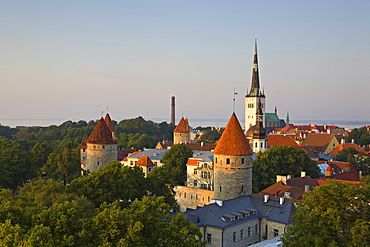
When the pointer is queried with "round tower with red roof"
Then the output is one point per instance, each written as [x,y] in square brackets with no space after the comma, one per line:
[101,147]
[232,163]
[181,134]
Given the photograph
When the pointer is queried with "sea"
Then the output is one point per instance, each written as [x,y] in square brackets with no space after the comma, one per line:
[17,123]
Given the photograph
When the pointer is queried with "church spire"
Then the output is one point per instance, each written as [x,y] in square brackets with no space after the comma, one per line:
[255,87]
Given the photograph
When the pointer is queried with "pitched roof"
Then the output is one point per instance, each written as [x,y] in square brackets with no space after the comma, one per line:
[317,139]
[271,117]
[83,143]
[101,134]
[145,161]
[109,122]
[344,146]
[182,126]
[233,140]
[282,140]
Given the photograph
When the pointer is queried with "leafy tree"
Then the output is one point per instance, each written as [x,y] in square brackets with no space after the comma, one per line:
[40,153]
[361,162]
[334,214]
[210,135]
[175,160]
[361,136]
[281,160]
[148,224]
[110,183]
[64,166]
[345,154]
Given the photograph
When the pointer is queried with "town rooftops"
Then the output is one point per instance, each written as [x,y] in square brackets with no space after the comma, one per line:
[282,140]
[233,140]
[101,134]
[317,139]
[241,209]
[344,146]
[145,161]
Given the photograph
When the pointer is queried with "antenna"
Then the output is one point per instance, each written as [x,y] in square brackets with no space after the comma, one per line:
[107,109]
[235,93]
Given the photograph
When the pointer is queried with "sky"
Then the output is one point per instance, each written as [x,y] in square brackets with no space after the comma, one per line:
[75,59]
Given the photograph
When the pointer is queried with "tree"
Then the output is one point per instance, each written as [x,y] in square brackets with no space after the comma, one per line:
[345,154]
[361,162]
[361,136]
[147,223]
[334,214]
[281,160]
[175,160]
[110,183]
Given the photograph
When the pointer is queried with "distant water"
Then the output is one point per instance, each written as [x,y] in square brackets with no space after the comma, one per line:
[193,122]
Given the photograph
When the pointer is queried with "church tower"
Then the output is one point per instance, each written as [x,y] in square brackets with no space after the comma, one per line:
[181,134]
[259,141]
[232,163]
[101,147]
[254,95]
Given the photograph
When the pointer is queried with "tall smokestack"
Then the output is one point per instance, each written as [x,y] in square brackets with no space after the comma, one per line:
[173,110]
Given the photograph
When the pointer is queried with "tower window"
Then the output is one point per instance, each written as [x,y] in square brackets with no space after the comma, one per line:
[220,188]
[242,160]
[261,144]
[227,161]
[216,160]
[255,144]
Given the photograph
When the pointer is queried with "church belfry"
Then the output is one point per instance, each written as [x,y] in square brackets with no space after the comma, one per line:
[254,96]
[259,141]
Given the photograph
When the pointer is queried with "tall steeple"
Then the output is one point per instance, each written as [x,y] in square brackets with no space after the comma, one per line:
[255,87]
[254,95]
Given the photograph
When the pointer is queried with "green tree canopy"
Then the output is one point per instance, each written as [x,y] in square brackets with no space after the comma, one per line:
[281,160]
[345,154]
[175,160]
[334,214]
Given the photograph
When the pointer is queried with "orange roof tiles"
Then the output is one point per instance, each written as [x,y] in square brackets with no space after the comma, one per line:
[145,161]
[101,134]
[317,139]
[233,140]
[344,146]
[183,126]
[282,140]
[83,143]
[193,162]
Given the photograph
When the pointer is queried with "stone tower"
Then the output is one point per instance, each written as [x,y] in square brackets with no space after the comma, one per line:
[232,163]
[254,95]
[181,134]
[259,141]
[101,147]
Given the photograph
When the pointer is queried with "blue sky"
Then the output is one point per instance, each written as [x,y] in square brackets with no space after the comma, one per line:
[72,59]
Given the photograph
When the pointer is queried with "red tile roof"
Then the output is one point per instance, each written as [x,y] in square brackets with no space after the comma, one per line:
[183,126]
[193,162]
[101,134]
[109,122]
[282,140]
[145,161]
[344,146]
[317,139]
[233,140]
[84,140]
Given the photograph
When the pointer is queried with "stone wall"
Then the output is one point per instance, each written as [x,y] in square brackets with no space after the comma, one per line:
[233,176]
[192,197]
[181,138]
[98,155]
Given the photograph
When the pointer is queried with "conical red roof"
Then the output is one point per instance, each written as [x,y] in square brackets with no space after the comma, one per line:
[101,134]
[84,140]
[109,122]
[233,140]
[183,126]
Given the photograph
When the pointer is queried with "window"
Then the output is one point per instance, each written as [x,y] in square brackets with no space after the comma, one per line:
[242,160]
[234,236]
[276,232]
[255,144]
[209,199]
[195,172]
[131,163]
[220,188]
[103,147]
[241,234]
[185,194]
[227,161]
[195,182]
[209,238]
[149,169]
[261,144]
[256,229]
[216,160]
[249,231]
